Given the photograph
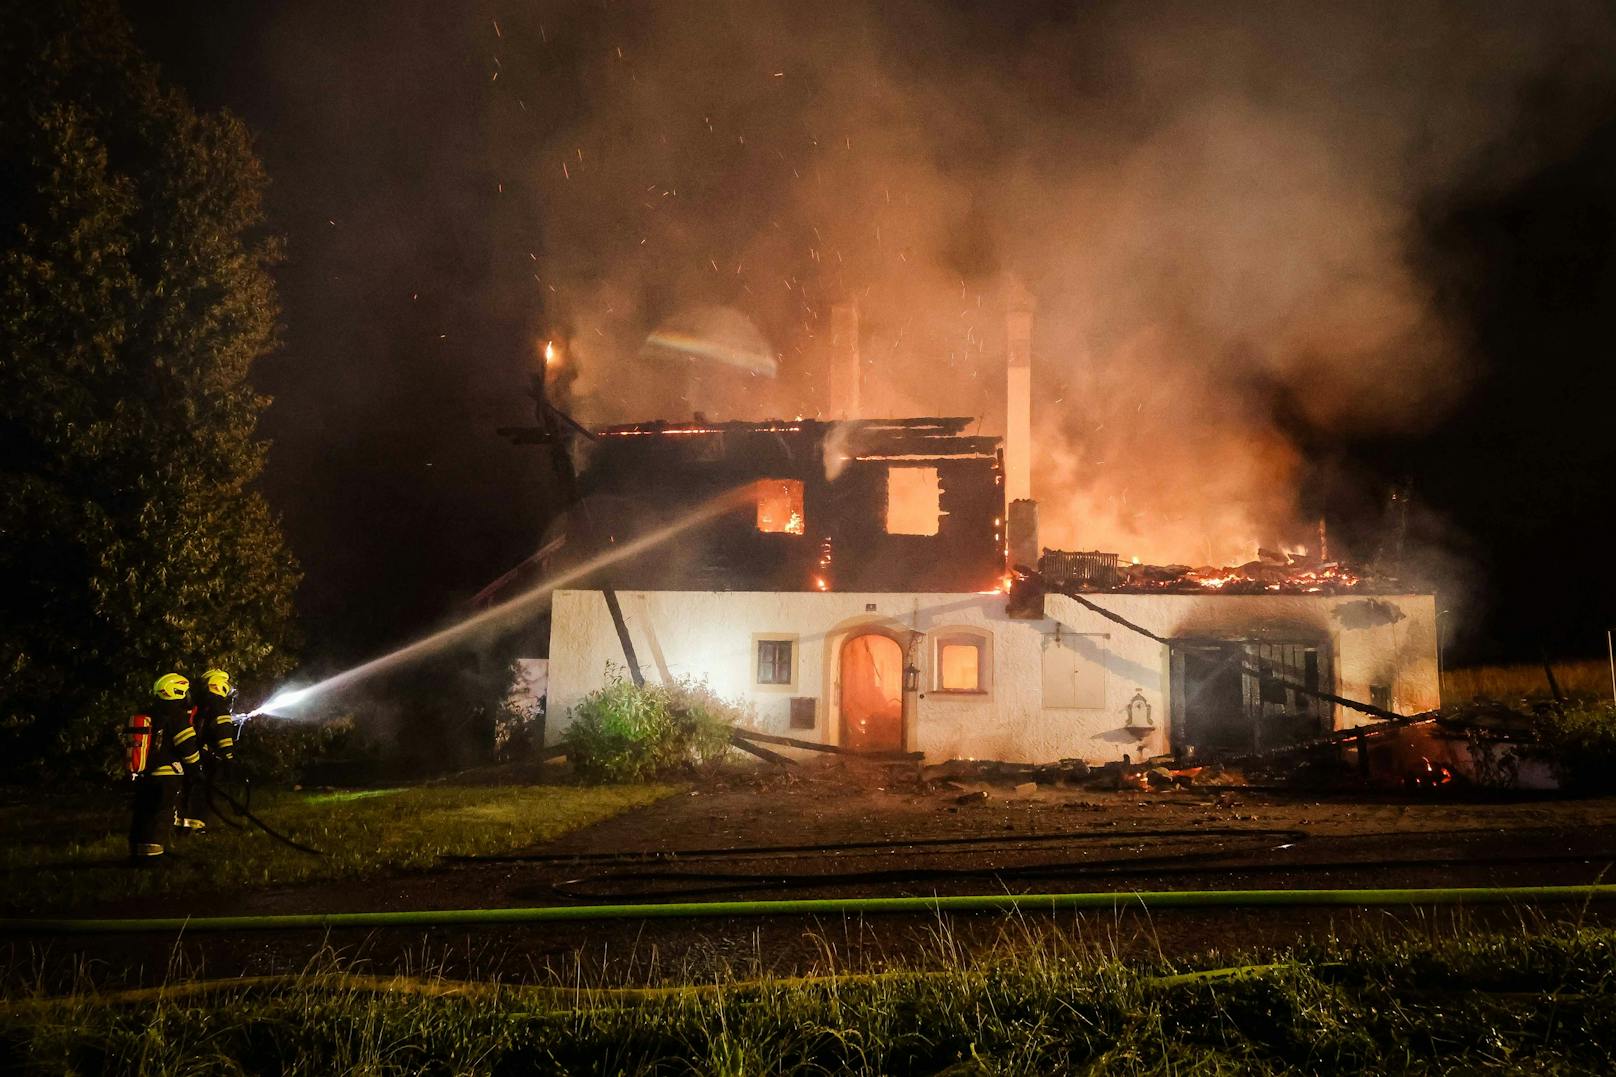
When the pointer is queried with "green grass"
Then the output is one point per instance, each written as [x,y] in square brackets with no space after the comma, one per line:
[1540,1001]
[1589,680]
[60,854]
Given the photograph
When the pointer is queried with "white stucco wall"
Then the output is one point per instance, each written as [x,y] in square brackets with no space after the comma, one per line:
[711,636]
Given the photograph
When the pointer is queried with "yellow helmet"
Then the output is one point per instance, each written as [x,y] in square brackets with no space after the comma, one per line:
[172,686]
[218,682]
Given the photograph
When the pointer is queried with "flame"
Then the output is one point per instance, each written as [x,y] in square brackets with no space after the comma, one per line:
[779,505]
[550,355]
[1432,776]
[1296,574]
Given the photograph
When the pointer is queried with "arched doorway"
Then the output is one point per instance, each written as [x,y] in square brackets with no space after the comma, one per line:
[872,693]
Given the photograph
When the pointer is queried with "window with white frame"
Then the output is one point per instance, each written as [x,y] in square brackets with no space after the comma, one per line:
[960,662]
[776,665]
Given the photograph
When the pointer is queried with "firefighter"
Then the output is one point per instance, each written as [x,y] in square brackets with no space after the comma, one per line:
[214,721]
[161,745]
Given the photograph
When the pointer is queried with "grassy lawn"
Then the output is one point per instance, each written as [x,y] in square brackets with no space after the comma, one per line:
[58,855]
[1535,1002]
[1578,680]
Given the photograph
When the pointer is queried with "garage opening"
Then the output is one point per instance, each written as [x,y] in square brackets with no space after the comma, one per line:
[1242,696]
[872,693]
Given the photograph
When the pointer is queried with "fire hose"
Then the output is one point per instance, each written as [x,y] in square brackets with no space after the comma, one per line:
[889,843]
[595,886]
[246,812]
[211,789]
[1109,901]
[621,866]
[1170,864]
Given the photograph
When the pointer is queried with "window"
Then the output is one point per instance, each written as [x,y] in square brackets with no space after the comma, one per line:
[779,506]
[774,662]
[914,501]
[961,663]
[1282,665]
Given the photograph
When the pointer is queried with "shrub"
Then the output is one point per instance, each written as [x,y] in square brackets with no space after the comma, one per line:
[276,751]
[519,715]
[626,733]
[1581,739]
[703,718]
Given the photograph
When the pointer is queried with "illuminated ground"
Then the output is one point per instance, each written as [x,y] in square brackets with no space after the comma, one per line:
[1117,841]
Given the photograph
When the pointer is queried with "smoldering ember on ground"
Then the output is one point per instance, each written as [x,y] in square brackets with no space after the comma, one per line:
[891,538]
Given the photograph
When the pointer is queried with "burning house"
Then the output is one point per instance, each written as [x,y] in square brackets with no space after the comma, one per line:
[879,585]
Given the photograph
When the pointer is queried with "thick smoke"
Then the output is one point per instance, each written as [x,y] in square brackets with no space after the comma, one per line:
[1217,207]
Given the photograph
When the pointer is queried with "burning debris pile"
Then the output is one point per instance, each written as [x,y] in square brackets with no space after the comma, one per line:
[1271,573]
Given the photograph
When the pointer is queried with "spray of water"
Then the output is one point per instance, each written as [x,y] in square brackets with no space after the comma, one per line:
[506,613]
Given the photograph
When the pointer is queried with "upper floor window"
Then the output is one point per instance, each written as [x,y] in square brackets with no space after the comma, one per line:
[914,500]
[779,506]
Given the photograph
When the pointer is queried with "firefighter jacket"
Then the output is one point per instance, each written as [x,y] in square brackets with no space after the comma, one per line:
[171,743]
[215,728]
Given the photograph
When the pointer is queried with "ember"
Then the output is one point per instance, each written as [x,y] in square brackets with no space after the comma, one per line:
[1429,775]
[1271,573]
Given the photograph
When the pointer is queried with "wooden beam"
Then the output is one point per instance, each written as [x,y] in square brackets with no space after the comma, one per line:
[833,749]
[758,750]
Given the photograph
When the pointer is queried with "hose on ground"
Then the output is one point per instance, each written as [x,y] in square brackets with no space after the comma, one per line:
[593,887]
[570,998]
[888,843]
[246,813]
[599,885]
[965,903]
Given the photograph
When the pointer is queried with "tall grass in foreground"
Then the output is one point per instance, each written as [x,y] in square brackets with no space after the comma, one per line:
[1585,680]
[1535,1001]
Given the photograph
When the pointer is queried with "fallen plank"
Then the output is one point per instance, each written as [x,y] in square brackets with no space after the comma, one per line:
[833,749]
[758,750]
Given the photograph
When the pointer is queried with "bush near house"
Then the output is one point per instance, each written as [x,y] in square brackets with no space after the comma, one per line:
[276,752]
[1581,740]
[627,733]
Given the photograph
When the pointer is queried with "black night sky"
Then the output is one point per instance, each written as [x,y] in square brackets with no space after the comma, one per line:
[410,306]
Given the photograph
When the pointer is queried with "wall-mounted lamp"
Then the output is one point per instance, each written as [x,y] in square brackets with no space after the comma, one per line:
[911,678]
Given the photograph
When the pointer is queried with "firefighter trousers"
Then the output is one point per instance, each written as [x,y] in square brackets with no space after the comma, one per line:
[194,803]
[151,823]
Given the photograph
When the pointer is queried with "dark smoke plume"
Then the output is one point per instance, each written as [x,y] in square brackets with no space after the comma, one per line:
[1214,205]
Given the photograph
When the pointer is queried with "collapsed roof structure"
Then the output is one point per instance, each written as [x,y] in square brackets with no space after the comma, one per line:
[879,585]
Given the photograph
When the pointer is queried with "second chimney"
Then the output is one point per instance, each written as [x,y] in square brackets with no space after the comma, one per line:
[1019,306]
[846,371]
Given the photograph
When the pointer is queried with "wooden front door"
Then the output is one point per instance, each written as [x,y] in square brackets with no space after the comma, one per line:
[872,694]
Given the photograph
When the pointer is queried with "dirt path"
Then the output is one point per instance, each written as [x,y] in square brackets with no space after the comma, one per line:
[1054,840]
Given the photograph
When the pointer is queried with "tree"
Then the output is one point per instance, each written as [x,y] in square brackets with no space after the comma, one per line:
[135,295]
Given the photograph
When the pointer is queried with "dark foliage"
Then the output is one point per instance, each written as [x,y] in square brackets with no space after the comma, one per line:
[135,295]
